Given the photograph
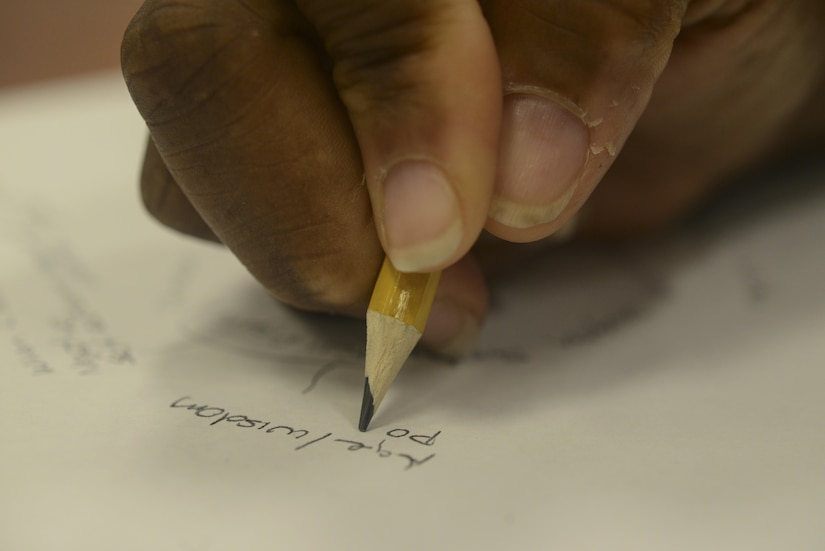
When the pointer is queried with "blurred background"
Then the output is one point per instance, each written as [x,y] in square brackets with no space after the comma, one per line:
[49,39]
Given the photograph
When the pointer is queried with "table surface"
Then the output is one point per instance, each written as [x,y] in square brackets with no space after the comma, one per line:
[48,39]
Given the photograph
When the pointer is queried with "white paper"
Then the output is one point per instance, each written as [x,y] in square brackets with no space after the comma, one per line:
[663,396]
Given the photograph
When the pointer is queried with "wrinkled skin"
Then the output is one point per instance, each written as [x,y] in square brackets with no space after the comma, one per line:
[311,137]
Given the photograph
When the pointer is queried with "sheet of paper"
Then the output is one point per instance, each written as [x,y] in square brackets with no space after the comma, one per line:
[663,396]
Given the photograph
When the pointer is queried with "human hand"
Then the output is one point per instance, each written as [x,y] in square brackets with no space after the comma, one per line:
[292,130]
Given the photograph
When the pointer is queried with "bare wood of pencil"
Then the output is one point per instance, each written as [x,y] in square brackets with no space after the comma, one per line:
[397,314]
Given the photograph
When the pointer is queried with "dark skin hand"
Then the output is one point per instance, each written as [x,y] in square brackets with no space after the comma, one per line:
[312,137]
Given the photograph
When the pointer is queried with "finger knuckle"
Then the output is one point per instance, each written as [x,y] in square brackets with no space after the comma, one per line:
[177,54]
[375,46]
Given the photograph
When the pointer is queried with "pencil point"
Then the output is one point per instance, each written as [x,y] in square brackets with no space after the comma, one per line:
[367,407]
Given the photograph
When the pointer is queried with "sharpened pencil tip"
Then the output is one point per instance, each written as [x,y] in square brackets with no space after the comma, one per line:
[367,407]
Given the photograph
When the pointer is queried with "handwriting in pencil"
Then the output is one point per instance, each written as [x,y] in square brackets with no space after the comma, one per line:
[380,449]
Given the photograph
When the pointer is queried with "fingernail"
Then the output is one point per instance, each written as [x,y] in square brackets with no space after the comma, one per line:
[451,330]
[543,149]
[422,220]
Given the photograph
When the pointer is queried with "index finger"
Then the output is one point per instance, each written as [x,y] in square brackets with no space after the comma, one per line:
[238,100]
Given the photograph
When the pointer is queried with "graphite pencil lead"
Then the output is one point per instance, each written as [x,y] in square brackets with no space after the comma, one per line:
[367,407]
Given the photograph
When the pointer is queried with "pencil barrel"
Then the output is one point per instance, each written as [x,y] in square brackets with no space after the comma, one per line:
[405,297]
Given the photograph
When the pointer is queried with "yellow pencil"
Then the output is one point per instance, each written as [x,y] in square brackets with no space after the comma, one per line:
[396,317]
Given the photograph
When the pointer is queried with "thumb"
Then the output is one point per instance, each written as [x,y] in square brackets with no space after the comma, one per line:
[421,84]
[577,76]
